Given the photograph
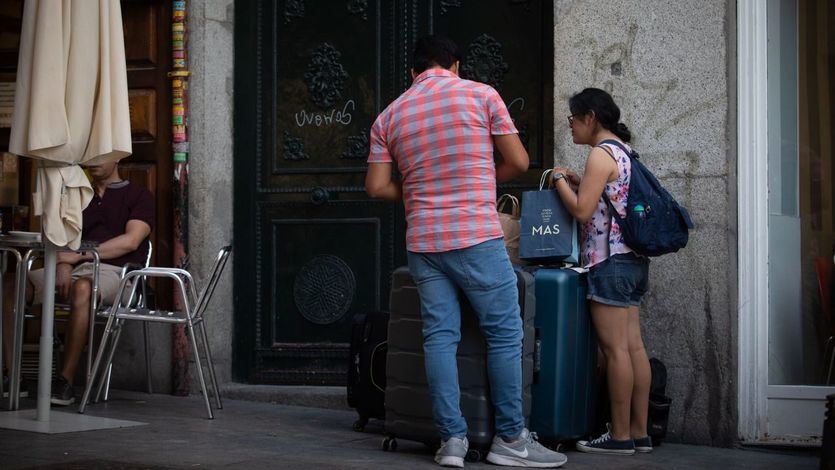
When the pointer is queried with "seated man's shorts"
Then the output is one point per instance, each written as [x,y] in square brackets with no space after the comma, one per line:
[109,277]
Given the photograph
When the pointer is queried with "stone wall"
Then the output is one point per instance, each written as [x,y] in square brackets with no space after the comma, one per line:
[211,55]
[667,66]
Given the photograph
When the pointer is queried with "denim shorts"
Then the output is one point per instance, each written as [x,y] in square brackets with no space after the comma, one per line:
[619,281]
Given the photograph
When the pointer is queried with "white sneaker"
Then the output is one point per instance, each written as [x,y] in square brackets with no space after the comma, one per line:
[525,451]
[452,452]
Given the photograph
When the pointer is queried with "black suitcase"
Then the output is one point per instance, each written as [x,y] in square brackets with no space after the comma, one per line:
[408,404]
[367,367]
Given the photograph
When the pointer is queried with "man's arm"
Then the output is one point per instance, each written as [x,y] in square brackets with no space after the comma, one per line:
[379,183]
[514,159]
[135,232]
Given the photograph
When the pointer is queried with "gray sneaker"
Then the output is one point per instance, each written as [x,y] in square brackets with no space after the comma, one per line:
[452,452]
[524,452]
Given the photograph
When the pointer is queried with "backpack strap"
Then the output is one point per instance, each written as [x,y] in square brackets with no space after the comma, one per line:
[606,149]
[612,211]
[630,153]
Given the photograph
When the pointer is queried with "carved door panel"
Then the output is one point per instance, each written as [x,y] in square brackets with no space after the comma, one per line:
[508,45]
[321,251]
[311,249]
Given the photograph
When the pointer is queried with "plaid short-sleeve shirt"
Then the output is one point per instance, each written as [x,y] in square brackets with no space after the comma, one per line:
[439,133]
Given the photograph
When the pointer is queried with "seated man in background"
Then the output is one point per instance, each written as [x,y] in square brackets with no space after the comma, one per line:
[120,218]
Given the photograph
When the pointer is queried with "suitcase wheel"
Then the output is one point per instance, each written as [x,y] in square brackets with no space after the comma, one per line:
[473,455]
[390,444]
[359,425]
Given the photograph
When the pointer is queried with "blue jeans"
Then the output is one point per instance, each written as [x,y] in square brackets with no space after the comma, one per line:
[484,274]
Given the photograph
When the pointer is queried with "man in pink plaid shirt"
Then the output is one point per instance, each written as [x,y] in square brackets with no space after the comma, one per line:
[441,134]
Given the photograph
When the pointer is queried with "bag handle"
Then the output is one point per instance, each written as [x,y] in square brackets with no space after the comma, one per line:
[544,178]
[503,199]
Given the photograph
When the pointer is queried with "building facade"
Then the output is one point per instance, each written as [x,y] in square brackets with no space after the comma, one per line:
[730,103]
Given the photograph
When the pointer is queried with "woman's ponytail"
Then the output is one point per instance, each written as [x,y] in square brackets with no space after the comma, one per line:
[622,132]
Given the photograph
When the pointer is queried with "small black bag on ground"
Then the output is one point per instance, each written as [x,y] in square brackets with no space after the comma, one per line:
[367,367]
[659,403]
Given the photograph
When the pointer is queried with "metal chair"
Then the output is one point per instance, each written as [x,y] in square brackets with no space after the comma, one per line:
[97,312]
[141,302]
[17,324]
[24,265]
[194,306]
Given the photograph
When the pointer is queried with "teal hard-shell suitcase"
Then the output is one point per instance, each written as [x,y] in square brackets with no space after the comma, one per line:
[563,391]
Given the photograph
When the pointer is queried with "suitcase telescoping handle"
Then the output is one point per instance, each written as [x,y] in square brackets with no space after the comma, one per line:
[537,355]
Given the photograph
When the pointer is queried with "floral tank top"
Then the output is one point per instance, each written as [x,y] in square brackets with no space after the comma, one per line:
[601,236]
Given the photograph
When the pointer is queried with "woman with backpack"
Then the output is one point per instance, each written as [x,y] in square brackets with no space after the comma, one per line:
[617,277]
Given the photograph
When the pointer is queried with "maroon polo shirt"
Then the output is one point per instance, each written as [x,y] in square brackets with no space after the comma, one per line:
[107,217]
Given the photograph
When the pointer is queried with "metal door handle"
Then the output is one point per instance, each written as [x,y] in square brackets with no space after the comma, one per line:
[319,195]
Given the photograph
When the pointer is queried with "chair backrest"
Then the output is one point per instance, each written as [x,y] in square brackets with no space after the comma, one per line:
[150,252]
[214,277]
[143,300]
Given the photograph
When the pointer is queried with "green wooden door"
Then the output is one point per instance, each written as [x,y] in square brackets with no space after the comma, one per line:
[311,249]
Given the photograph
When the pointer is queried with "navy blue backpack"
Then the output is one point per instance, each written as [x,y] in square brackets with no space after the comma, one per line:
[655,224]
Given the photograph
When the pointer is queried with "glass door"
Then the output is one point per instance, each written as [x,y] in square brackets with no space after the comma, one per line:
[801,221]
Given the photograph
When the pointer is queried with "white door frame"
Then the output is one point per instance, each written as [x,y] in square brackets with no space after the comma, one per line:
[760,406]
[752,223]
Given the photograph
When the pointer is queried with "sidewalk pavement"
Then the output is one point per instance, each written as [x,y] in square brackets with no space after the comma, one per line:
[251,435]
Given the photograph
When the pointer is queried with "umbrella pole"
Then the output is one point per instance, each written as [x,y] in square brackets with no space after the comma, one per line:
[47,317]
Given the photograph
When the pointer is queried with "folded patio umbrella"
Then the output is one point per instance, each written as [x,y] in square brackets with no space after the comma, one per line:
[71,107]
[71,104]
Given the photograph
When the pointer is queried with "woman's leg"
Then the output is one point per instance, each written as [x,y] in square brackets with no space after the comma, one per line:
[611,324]
[641,377]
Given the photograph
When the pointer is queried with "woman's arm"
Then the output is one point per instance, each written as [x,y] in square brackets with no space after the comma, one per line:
[600,168]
